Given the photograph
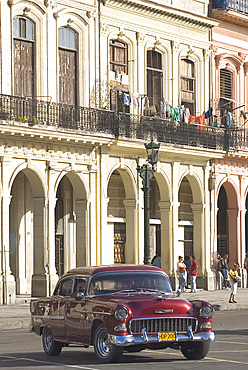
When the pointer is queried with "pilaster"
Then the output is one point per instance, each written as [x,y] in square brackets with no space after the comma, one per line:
[131,231]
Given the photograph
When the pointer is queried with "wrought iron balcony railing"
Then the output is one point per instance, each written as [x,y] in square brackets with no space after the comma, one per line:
[118,125]
[238,5]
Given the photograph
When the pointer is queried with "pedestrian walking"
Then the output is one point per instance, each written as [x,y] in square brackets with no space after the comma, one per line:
[156,261]
[193,273]
[234,278]
[246,267]
[187,263]
[218,272]
[181,274]
[225,271]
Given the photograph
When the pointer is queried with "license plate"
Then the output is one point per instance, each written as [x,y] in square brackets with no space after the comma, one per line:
[170,336]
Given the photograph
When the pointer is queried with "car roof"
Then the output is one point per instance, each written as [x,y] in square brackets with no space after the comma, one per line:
[91,270]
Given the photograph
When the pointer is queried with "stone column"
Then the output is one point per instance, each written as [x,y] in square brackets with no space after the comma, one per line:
[131,252]
[82,252]
[167,263]
[40,278]
[199,246]
[234,241]
[175,71]
[175,206]
[7,282]
[243,211]
[140,62]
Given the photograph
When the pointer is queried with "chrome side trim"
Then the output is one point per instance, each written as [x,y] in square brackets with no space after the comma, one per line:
[39,317]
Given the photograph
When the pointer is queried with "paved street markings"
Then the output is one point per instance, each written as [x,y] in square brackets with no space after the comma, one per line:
[47,362]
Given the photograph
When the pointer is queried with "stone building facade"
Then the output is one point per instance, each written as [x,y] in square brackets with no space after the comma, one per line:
[70,191]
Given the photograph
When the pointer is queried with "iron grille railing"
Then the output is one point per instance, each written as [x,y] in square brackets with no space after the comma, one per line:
[163,324]
[105,122]
[238,5]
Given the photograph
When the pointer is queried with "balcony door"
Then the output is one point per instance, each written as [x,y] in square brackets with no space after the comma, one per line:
[67,66]
[24,44]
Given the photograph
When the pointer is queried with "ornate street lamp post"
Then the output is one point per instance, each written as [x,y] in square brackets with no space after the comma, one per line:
[146,173]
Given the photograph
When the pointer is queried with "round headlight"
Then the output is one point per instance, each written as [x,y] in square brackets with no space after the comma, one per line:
[121,313]
[206,311]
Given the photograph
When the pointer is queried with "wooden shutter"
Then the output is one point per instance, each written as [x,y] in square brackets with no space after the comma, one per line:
[67,77]
[23,68]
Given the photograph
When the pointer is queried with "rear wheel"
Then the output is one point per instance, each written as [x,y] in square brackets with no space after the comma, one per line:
[105,352]
[50,346]
[195,351]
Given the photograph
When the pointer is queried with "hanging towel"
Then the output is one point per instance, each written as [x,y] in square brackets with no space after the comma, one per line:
[135,99]
[147,103]
[216,124]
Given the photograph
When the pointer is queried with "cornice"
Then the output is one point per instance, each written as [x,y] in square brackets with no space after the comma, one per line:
[164,12]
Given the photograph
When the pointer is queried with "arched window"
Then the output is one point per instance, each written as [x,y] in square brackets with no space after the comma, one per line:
[24,63]
[154,74]
[68,70]
[188,85]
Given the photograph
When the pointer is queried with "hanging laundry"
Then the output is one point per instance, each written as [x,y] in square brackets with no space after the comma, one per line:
[202,122]
[168,111]
[135,99]
[181,113]
[229,119]
[163,109]
[174,112]
[146,103]
[126,99]
[216,124]
[194,119]
[209,113]
[186,115]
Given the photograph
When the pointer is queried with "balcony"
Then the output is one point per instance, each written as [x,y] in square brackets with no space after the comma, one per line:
[234,11]
[101,122]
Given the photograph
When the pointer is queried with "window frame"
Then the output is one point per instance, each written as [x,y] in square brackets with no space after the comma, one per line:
[113,63]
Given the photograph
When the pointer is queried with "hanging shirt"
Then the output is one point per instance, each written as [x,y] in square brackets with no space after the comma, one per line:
[163,109]
[209,113]
[216,124]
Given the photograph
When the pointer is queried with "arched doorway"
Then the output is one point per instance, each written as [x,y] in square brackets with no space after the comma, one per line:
[71,231]
[121,218]
[27,234]
[228,221]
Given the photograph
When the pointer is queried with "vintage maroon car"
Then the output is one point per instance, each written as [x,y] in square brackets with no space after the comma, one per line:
[117,308]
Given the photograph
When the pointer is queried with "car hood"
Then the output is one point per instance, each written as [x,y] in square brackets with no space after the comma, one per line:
[148,305]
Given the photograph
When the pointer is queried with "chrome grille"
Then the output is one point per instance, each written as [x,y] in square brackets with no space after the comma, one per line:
[163,324]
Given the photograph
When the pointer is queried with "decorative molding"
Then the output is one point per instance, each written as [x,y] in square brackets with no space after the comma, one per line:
[103,29]
[206,54]
[140,38]
[157,43]
[218,58]
[51,3]
[242,56]
[175,45]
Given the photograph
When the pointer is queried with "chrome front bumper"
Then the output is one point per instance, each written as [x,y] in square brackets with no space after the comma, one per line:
[144,338]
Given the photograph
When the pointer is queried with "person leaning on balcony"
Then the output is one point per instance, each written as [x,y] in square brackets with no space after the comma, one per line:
[234,278]
[193,273]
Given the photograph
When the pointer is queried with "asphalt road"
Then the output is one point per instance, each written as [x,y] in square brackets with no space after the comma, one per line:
[22,350]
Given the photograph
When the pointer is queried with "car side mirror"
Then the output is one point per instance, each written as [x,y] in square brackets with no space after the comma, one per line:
[79,296]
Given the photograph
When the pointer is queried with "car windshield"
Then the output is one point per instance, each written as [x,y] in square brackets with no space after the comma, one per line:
[121,282]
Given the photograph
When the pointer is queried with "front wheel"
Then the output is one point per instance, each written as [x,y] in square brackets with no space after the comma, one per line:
[195,351]
[105,352]
[50,346]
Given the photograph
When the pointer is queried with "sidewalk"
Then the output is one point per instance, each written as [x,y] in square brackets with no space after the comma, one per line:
[18,317]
